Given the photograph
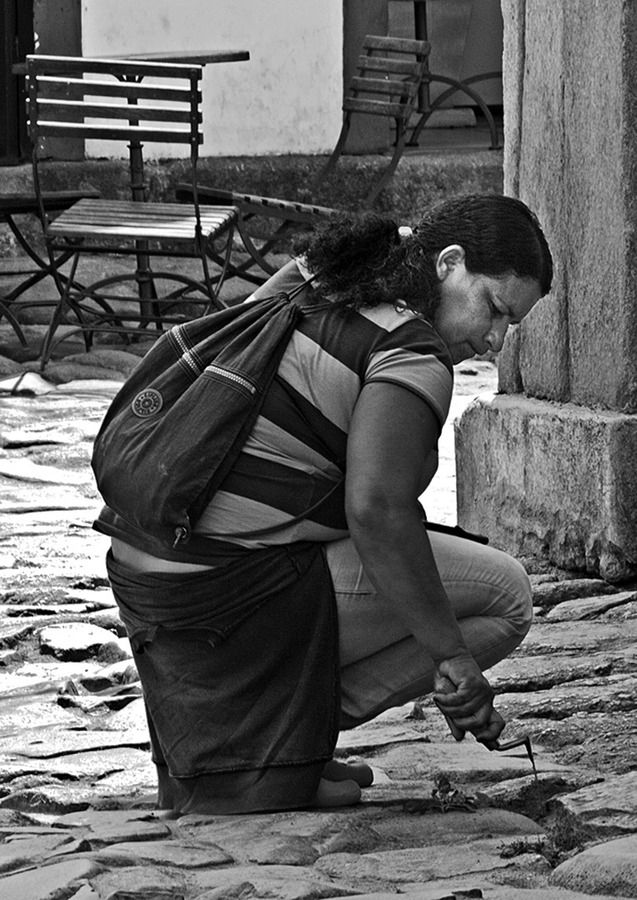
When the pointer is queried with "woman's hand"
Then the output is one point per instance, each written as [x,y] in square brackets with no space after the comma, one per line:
[465,698]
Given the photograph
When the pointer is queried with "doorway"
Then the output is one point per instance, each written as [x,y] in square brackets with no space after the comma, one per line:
[16,28]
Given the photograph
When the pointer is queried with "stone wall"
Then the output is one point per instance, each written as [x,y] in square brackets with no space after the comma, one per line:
[570,87]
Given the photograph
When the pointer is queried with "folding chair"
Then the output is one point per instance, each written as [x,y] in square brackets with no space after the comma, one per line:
[12,208]
[71,96]
[389,73]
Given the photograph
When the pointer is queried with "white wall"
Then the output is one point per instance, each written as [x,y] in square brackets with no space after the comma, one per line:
[285,99]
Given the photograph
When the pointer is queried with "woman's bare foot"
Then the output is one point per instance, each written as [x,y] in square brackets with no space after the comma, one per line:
[361,773]
[336,793]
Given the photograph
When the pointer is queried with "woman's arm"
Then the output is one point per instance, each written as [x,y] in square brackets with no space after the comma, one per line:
[392,434]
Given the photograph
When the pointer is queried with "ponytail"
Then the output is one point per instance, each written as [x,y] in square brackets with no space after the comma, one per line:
[365,261]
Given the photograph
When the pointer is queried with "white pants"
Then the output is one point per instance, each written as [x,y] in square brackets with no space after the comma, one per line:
[382,665]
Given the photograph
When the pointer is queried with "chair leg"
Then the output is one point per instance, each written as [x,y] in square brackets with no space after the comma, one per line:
[338,149]
[44,269]
[64,287]
[215,301]
[464,87]
[256,256]
[399,146]
[13,322]
[48,344]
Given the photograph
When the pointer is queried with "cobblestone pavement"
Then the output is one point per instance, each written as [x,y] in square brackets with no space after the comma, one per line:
[442,820]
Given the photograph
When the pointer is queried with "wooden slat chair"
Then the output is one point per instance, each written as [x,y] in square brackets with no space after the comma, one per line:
[389,73]
[111,100]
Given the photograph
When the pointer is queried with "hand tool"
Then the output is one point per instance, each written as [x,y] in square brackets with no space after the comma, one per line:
[497,745]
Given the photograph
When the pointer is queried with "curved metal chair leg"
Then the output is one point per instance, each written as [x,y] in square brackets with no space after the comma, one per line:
[13,322]
[464,87]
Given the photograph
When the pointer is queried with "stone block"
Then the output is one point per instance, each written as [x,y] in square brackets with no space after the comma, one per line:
[556,481]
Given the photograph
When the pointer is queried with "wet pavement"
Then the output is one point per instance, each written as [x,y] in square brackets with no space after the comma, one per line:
[442,820]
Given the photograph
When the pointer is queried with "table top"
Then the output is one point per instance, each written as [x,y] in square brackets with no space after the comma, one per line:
[199,57]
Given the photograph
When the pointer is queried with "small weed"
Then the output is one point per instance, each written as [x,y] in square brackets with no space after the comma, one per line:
[563,836]
[523,845]
[450,797]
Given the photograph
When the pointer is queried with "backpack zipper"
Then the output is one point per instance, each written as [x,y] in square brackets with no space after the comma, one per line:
[232,376]
[182,535]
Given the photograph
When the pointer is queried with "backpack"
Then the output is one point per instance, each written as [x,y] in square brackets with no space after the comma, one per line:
[177,425]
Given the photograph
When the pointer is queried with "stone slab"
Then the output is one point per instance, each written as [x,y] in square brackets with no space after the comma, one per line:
[550,593]
[131,719]
[129,784]
[419,864]
[27,850]
[21,438]
[25,470]
[301,838]
[43,675]
[524,674]
[375,734]
[281,882]
[100,598]
[588,607]
[452,888]
[49,882]
[109,821]
[57,742]
[21,717]
[609,868]
[74,641]
[12,634]
[467,761]
[610,694]
[167,853]
[141,882]
[77,766]
[580,637]
[610,807]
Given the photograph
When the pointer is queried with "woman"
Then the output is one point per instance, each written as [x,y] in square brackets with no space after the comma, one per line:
[247,675]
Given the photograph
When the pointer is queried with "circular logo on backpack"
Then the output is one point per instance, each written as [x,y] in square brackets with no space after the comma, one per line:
[147,403]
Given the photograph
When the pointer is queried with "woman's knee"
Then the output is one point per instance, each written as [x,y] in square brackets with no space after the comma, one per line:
[519,595]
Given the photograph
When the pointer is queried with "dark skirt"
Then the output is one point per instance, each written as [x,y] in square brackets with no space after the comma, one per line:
[240,673]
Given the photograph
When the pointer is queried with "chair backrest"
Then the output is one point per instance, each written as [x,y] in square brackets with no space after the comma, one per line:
[388,77]
[389,73]
[110,100]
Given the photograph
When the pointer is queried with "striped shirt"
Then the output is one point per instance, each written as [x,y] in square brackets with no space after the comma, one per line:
[296,451]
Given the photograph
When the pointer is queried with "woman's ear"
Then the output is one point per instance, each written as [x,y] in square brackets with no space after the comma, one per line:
[448,259]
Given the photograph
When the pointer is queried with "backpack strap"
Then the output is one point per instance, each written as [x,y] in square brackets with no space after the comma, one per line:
[273,529]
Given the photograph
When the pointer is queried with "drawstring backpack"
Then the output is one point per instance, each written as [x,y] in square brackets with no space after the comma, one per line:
[177,425]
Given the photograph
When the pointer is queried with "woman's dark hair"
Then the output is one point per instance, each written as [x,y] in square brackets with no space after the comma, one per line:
[364,261]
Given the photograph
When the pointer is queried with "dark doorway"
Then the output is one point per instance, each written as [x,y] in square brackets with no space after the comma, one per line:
[16,30]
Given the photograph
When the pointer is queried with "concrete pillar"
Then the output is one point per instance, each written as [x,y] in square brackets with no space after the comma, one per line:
[547,466]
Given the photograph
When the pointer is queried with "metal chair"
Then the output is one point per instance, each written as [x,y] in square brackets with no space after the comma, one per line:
[388,77]
[110,100]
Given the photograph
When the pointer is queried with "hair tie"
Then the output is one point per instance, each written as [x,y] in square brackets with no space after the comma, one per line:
[405,231]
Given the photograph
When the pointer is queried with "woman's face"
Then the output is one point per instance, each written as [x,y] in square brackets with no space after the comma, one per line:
[475,311]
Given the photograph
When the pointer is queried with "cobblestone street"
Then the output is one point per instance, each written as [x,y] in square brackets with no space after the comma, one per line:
[442,820]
